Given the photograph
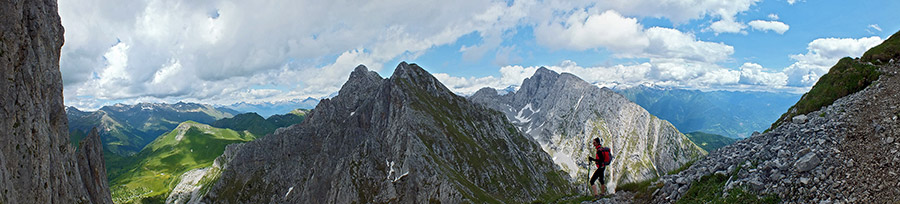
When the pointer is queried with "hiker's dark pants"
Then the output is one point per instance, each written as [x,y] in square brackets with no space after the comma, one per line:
[598,174]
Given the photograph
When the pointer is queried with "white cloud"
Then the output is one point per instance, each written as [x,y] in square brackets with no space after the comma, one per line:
[773,16]
[627,38]
[822,54]
[583,31]
[212,50]
[671,43]
[678,11]
[727,25]
[755,74]
[873,29]
[218,51]
[775,26]
[875,26]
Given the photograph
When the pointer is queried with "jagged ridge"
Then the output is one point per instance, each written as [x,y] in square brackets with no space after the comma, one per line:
[402,139]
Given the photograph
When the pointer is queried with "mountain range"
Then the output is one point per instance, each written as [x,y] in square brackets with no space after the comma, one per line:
[406,138]
[126,129]
[266,109]
[735,114]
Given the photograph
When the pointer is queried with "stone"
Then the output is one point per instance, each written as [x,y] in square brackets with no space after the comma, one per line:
[799,119]
[804,180]
[37,162]
[889,140]
[756,185]
[807,162]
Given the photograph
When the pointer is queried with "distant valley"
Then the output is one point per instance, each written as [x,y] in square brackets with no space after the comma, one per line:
[729,113]
[150,147]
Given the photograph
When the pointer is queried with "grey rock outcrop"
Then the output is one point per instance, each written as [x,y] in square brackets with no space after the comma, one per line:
[405,139]
[563,113]
[37,163]
[92,168]
[842,153]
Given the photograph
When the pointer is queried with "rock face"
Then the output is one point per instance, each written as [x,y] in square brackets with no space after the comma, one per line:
[563,113]
[92,169]
[842,153]
[37,163]
[405,139]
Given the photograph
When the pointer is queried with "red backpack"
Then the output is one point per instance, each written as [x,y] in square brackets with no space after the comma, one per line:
[604,156]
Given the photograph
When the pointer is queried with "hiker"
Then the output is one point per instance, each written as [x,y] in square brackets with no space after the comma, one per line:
[603,158]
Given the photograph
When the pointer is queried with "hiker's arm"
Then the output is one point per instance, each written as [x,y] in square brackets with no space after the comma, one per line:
[591,158]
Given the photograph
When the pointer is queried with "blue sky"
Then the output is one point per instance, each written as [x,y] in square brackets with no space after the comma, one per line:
[223,52]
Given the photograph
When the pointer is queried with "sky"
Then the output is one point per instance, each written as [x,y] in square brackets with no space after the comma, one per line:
[222,52]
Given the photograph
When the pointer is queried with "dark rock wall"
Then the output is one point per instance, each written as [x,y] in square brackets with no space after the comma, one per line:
[37,164]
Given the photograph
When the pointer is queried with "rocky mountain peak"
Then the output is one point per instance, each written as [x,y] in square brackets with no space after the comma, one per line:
[562,112]
[411,77]
[403,139]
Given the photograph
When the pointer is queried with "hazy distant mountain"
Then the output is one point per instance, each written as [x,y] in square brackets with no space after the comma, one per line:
[709,142]
[267,109]
[837,144]
[728,113]
[126,129]
[258,125]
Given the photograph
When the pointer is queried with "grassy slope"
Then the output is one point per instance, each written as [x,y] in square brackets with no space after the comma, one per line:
[251,122]
[152,173]
[709,142]
[844,78]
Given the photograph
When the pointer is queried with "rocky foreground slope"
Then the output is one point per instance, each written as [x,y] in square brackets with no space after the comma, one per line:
[563,113]
[37,163]
[404,139]
[846,152]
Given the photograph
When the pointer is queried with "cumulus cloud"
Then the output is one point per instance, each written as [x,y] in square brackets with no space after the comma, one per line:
[216,49]
[773,16]
[627,38]
[727,25]
[755,74]
[583,31]
[663,72]
[224,51]
[774,26]
[822,54]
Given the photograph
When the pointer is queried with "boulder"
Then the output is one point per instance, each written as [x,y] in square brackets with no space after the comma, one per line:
[800,119]
[807,162]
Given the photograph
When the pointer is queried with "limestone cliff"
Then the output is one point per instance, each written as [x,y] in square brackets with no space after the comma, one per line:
[563,113]
[37,163]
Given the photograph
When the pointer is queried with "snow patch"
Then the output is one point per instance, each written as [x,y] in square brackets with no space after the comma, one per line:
[399,177]
[352,113]
[391,172]
[523,119]
[288,192]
